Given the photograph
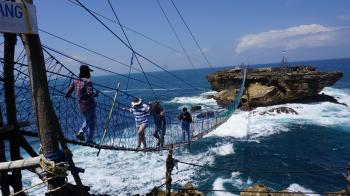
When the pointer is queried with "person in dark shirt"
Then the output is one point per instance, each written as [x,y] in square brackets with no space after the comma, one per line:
[159,121]
[186,120]
[86,102]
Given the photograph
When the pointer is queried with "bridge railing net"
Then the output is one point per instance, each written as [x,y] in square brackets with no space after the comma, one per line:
[122,132]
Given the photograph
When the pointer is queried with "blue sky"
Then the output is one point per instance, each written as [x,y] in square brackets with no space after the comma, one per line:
[229,31]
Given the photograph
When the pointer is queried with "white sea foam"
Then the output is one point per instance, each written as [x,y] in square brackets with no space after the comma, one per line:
[197,100]
[116,173]
[193,100]
[235,126]
[342,95]
[146,89]
[234,181]
[255,124]
[223,150]
[297,188]
[219,185]
[120,172]
[237,181]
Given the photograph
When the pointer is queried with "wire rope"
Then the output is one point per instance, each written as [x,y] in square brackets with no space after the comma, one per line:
[134,55]
[144,57]
[192,35]
[176,35]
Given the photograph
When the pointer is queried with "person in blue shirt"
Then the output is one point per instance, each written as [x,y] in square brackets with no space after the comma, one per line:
[141,113]
[186,120]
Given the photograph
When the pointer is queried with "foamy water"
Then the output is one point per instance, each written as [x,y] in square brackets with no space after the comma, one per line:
[202,100]
[254,125]
[297,188]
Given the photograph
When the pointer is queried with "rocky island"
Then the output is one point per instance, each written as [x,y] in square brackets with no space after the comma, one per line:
[273,85]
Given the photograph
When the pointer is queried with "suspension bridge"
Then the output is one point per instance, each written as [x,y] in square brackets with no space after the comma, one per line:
[121,134]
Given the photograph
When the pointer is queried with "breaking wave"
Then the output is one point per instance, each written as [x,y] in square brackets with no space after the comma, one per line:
[297,188]
[223,150]
[260,122]
[201,99]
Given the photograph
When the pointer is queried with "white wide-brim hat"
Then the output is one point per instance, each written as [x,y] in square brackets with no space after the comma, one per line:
[135,103]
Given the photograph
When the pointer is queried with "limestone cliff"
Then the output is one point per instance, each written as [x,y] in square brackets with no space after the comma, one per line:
[270,86]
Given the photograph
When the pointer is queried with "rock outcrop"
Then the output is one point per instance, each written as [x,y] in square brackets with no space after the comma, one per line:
[270,86]
[279,110]
[262,190]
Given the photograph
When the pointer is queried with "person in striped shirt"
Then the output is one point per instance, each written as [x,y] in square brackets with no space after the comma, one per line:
[141,113]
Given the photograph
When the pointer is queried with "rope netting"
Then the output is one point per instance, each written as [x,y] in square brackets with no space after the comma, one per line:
[122,133]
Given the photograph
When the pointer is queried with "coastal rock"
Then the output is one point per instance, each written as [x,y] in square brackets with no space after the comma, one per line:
[207,114]
[256,189]
[196,108]
[225,96]
[187,190]
[270,86]
[262,190]
[279,110]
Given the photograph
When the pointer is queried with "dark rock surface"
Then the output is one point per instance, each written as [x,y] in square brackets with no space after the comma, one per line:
[270,86]
[208,114]
[279,110]
[196,108]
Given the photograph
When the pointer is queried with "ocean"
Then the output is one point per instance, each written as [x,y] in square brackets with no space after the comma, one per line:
[316,138]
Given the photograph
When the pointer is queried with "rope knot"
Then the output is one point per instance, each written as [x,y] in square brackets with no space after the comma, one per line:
[54,164]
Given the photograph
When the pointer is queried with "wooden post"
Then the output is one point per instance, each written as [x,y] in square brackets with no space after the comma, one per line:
[9,53]
[47,122]
[45,116]
[46,119]
[169,168]
[20,164]
[108,120]
[5,190]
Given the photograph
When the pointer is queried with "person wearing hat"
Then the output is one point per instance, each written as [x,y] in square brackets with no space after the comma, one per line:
[141,113]
[86,102]
[186,120]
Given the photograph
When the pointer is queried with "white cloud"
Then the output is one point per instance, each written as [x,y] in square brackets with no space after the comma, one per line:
[205,50]
[343,17]
[303,36]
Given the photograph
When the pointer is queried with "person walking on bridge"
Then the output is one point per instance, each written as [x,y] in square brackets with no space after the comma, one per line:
[186,120]
[86,102]
[141,113]
[157,112]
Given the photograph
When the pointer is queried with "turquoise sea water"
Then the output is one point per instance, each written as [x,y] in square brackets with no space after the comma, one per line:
[317,138]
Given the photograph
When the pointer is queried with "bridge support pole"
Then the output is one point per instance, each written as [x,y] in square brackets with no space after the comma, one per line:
[46,119]
[45,116]
[5,190]
[11,114]
[169,168]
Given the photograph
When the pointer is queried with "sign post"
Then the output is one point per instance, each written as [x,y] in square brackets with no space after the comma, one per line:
[18,18]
